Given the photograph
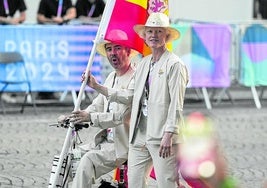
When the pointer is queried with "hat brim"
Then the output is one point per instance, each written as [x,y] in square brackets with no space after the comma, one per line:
[100,48]
[173,33]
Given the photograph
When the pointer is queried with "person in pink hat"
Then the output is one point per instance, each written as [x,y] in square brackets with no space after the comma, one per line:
[110,152]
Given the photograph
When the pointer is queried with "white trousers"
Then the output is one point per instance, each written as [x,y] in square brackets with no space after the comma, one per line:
[141,157]
[94,164]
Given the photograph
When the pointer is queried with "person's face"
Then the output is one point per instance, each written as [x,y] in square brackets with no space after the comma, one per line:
[155,37]
[117,55]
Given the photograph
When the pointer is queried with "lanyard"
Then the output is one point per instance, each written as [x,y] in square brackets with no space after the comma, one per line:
[148,79]
[59,8]
[6,7]
[92,9]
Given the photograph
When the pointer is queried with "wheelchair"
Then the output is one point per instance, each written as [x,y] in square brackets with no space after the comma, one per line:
[71,158]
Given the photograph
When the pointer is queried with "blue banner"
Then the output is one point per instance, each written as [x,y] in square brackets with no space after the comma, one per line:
[55,56]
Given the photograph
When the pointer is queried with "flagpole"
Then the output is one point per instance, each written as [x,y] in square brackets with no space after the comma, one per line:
[99,36]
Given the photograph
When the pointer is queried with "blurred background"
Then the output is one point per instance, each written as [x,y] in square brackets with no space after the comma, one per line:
[200,10]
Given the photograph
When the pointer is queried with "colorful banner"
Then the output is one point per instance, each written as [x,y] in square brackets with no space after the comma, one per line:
[253,55]
[55,56]
[206,51]
[137,13]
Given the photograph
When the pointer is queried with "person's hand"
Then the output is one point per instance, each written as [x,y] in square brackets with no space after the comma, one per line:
[14,21]
[91,81]
[165,149]
[79,116]
[62,119]
[57,20]
[10,20]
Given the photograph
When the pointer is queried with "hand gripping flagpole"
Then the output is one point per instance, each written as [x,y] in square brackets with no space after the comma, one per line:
[99,36]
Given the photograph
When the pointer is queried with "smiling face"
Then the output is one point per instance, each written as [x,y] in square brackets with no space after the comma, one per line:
[155,37]
[118,56]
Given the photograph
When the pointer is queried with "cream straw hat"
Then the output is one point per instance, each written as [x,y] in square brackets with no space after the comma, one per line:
[157,19]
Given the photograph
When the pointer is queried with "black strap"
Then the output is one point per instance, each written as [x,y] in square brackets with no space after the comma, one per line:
[147,79]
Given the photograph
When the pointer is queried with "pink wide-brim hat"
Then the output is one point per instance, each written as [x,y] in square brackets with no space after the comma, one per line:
[117,37]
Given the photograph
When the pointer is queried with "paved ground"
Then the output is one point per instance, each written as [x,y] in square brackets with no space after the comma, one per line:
[28,144]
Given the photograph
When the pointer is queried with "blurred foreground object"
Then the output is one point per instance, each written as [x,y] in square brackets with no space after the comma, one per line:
[202,164]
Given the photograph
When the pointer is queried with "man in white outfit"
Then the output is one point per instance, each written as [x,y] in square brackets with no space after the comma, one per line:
[107,115]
